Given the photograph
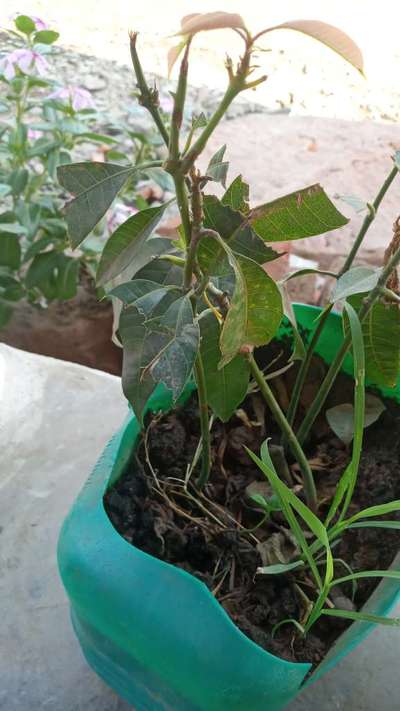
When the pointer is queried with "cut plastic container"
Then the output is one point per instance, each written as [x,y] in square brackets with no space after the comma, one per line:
[155,633]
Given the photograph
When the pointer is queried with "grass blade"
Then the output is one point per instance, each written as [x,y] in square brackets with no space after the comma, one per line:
[279,568]
[372,511]
[363,617]
[367,574]
[283,493]
[288,621]
[376,524]
[348,480]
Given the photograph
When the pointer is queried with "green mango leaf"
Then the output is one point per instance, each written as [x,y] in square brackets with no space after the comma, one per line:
[161,271]
[217,168]
[226,387]
[303,213]
[145,294]
[381,332]
[46,36]
[306,272]
[151,249]
[126,242]
[237,196]
[137,387]
[10,250]
[25,24]
[255,312]
[356,281]
[161,349]
[95,186]
[221,218]
[233,228]
[174,363]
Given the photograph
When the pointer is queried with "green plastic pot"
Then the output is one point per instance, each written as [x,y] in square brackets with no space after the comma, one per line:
[155,633]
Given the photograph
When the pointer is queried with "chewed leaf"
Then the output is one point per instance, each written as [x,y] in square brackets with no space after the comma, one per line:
[217,169]
[173,364]
[304,213]
[197,22]
[237,196]
[255,311]
[136,354]
[233,228]
[329,35]
[161,348]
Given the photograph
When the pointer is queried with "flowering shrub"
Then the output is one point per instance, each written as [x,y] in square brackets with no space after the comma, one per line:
[44,125]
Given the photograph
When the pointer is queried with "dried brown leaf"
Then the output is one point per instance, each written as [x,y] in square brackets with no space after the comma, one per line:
[329,35]
[197,22]
[173,55]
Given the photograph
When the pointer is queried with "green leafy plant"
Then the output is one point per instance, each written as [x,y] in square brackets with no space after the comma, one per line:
[43,125]
[198,307]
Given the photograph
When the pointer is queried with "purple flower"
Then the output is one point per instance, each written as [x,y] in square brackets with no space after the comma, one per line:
[33,134]
[78,98]
[26,60]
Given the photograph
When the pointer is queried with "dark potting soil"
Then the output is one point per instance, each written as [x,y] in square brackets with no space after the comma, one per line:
[205,536]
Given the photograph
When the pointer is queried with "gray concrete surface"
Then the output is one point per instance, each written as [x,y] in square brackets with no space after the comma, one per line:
[55,418]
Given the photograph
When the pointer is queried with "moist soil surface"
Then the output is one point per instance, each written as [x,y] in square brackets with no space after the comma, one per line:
[206,535]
